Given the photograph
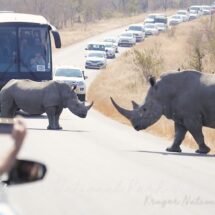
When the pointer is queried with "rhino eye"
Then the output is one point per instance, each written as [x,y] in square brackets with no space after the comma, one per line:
[144,109]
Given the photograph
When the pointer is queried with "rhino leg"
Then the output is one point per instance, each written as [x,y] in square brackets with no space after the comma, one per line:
[180,132]
[59,111]
[53,118]
[8,109]
[195,128]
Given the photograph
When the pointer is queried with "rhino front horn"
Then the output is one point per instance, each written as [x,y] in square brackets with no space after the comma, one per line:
[89,106]
[124,112]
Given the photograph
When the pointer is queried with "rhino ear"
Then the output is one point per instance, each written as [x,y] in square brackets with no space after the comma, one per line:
[135,105]
[152,80]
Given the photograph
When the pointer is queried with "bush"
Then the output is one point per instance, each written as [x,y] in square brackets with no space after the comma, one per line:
[148,62]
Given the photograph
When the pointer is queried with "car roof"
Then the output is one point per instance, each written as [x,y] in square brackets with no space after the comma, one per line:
[138,25]
[67,67]
[11,17]
[128,32]
[96,43]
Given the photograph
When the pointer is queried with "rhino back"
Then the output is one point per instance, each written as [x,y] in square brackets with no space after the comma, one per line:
[32,96]
[187,94]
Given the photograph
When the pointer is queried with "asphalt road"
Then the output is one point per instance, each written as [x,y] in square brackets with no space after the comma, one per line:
[99,166]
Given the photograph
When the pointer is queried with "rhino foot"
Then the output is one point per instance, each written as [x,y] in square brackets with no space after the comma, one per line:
[173,149]
[55,128]
[203,150]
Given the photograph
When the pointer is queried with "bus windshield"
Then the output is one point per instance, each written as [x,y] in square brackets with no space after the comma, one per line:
[24,49]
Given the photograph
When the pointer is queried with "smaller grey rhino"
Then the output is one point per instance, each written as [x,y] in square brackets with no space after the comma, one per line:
[48,97]
[187,98]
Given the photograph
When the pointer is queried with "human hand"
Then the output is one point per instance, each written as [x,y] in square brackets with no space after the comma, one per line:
[19,132]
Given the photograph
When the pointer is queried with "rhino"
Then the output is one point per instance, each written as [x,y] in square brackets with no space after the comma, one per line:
[48,97]
[186,97]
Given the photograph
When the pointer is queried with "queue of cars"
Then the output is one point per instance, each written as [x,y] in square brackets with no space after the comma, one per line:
[97,53]
[193,12]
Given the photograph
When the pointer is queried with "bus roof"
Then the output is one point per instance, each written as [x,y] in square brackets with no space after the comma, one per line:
[10,17]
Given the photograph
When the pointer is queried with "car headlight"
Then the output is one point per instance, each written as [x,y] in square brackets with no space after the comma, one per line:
[80,83]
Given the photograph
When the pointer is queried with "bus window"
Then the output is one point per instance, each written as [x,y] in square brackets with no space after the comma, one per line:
[8,50]
[35,49]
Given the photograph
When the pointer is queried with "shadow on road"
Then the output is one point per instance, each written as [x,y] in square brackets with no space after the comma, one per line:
[63,130]
[177,154]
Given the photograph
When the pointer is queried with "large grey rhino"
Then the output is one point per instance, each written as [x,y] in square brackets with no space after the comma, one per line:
[48,97]
[187,97]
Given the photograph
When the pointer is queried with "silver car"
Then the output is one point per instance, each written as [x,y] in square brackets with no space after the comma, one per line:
[138,31]
[96,60]
[113,40]
[151,29]
[127,39]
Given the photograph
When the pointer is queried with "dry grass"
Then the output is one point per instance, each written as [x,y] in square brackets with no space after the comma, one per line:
[120,80]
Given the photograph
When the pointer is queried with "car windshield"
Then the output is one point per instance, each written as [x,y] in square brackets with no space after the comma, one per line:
[135,28]
[109,45]
[99,55]
[182,13]
[98,47]
[206,8]
[193,12]
[152,16]
[194,8]
[67,72]
[110,40]
[150,26]
[176,17]
[160,24]
[127,35]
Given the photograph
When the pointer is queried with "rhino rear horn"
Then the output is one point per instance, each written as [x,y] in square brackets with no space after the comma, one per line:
[135,105]
[124,112]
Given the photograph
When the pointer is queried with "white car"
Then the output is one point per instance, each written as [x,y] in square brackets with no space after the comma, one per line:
[206,9]
[197,8]
[184,14]
[113,40]
[161,27]
[127,39]
[110,49]
[193,14]
[96,60]
[151,29]
[138,31]
[72,76]
[175,20]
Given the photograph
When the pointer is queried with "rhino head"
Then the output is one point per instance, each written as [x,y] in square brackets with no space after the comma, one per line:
[71,101]
[142,116]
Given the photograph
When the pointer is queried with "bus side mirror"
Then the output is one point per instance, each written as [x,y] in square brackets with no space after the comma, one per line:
[57,39]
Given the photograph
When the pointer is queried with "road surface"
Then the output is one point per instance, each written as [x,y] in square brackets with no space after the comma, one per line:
[99,166]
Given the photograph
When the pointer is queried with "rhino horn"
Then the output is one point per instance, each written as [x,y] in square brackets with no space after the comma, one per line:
[135,105]
[89,106]
[124,112]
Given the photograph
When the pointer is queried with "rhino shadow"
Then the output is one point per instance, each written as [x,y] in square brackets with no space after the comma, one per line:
[177,154]
[26,115]
[63,130]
